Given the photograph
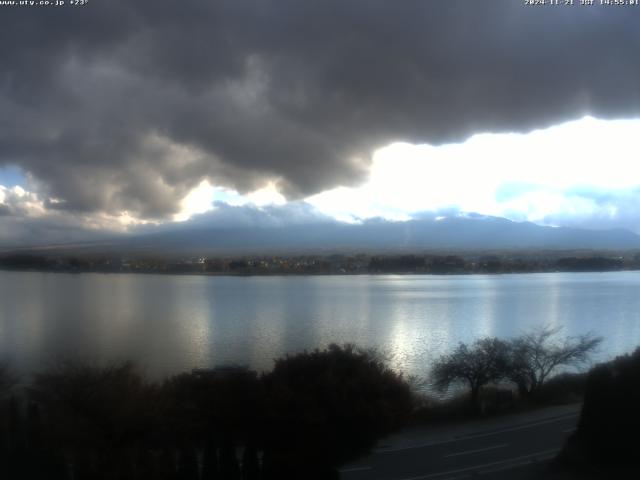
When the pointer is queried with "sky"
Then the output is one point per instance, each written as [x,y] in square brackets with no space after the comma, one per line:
[118,115]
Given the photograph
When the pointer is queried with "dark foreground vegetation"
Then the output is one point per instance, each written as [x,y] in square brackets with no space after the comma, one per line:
[311,413]
[525,363]
[431,263]
[605,444]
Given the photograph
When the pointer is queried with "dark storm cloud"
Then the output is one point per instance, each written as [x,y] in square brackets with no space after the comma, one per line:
[124,105]
[18,231]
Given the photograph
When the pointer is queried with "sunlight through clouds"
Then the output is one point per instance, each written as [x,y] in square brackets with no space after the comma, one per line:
[202,199]
[584,173]
[268,195]
[520,176]
[198,200]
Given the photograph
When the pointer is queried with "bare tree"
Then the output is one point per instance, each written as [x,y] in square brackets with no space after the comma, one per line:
[533,357]
[477,365]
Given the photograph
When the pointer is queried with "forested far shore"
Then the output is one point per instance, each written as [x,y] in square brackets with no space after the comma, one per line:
[335,264]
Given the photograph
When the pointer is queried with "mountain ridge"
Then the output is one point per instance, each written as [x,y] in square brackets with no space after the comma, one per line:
[322,234]
[461,232]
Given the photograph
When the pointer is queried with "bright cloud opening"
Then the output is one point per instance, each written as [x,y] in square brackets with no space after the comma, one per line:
[202,199]
[536,176]
[198,200]
[268,195]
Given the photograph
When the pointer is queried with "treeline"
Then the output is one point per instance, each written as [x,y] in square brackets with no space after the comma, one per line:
[313,412]
[453,264]
[331,264]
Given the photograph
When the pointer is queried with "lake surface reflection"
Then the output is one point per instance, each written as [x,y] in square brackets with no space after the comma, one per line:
[174,323]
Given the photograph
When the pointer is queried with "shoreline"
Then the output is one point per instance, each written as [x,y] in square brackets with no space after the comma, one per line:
[307,274]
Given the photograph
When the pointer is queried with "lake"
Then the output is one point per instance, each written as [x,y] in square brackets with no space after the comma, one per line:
[169,324]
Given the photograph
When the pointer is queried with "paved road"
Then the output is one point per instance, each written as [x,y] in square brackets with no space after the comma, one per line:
[484,452]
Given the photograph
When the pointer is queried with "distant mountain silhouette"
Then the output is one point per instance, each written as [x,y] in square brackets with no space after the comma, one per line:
[460,232]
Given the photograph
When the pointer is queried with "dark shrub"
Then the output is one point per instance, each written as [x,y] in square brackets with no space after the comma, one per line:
[610,419]
[217,405]
[329,406]
[91,406]
[561,389]
[91,419]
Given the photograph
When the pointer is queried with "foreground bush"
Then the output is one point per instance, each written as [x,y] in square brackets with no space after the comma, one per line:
[562,389]
[8,380]
[313,412]
[610,420]
[328,407]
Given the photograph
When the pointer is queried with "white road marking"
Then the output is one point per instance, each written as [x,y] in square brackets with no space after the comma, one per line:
[514,462]
[478,435]
[469,452]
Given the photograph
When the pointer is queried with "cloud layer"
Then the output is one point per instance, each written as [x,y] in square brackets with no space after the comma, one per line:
[127,106]
[581,173]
